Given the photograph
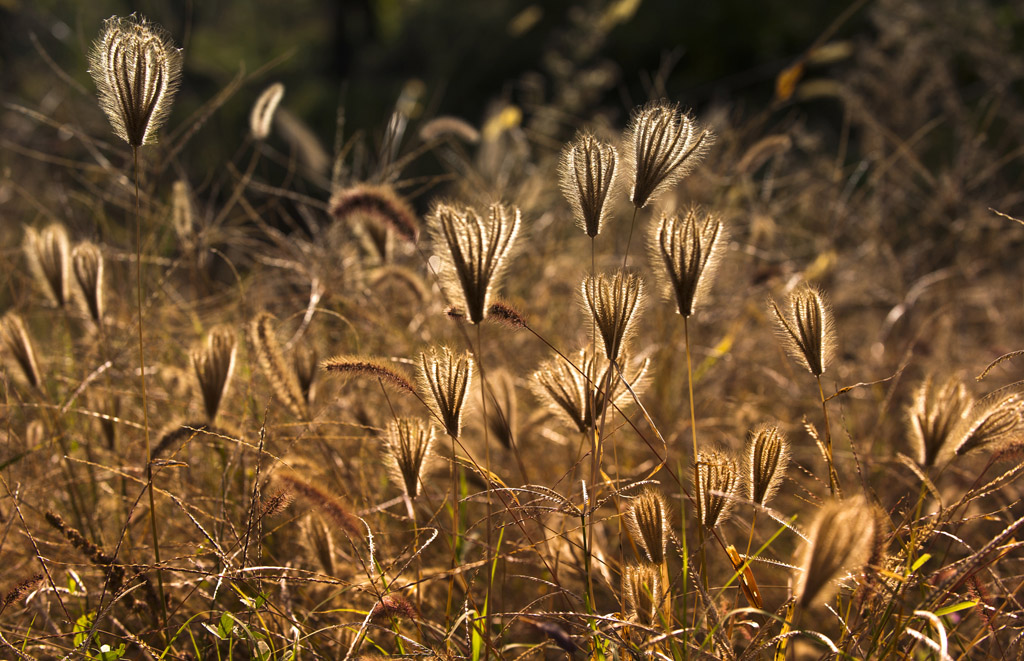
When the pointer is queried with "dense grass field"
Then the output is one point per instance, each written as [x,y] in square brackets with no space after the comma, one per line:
[578,378]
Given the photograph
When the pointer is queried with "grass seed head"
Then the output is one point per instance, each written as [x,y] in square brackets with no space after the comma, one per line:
[994,423]
[48,254]
[262,116]
[840,539]
[614,302]
[263,336]
[718,483]
[933,416]
[476,249]
[214,364]
[17,342]
[690,248]
[371,368]
[410,445]
[445,377]
[87,265]
[643,590]
[807,329]
[647,523]
[137,71]
[379,203]
[574,391]
[588,172]
[663,145]
[766,458]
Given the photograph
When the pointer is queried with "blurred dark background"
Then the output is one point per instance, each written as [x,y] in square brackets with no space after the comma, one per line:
[465,54]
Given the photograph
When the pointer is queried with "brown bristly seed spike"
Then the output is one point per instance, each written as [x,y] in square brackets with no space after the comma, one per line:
[328,504]
[766,458]
[663,145]
[137,71]
[647,523]
[381,204]
[718,482]
[262,116]
[214,365]
[643,590]
[839,539]
[48,254]
[934,415]
[20,590]
[372,368]
[614,302]
[275,504]
[89,549]
[87,265]
[475,252]
[807,328]
[409,443]
[393,606]
[689,248]
[16,341]
[588,172]
[445,377]
[504,313]
[263,337]
[994,423]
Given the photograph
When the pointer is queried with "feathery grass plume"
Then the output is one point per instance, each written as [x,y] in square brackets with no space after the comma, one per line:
[372,368]
[934,414]
[214,364]
[181,213]
[137,70]
[329,505]
[718,484]
[614,302]
[48,259]
[476,252]
[318,536]
[378,203]
[274,504]
[839,539]
[643,589]
[690,248]
[263,337]
[588,173]
[440,127]
[807,329]
[647,523]
[306,363]
[574,391]
[409,444]
[262,115]
[17,342]
[87,265]
[994,423]
[446,376]
[663,146]
[766,457]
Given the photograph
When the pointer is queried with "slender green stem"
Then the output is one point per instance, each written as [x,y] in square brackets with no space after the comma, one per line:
[490,505]
[145,398]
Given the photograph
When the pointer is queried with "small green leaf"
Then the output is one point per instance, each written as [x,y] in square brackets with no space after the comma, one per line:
[227,624]
[920,561]
[956,607]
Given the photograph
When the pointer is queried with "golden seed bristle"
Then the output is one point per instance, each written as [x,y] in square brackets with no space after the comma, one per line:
[689,247]
[262,116]
[374,368]
[933,416]
[647,523]
[48,254]
[840,539]
[409,444]
[445,377]
[379,203]
[87,265]
[718,482]
[588,170]
[807,328]
[137,71]
[17,342]
[614,302]
[214,365]
[766,457]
